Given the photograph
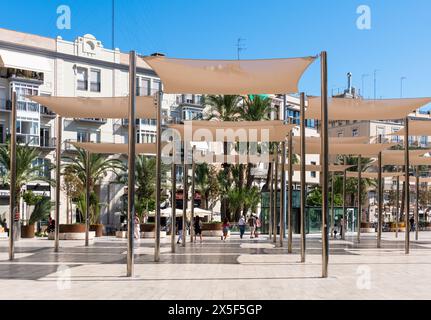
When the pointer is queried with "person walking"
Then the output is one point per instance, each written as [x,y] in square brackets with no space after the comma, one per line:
[252,225]
[226,226]
[241,225]
[180,229]
[137,229]
[198,228]
[258,224]
[412,224]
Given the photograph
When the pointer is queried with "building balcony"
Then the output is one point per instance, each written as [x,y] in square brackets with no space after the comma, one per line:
[48,143]
[5,105]
[68,146]
[92,120]
[26,139]
[45,112]
[27,106]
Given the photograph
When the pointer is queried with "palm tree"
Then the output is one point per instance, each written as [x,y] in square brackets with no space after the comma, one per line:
[99,167]
[26,170]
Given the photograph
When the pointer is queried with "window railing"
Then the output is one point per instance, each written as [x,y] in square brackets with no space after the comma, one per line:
[46,112]
[47,142]
[5,105]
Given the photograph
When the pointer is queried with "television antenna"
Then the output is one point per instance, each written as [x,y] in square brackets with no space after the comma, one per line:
[240,47]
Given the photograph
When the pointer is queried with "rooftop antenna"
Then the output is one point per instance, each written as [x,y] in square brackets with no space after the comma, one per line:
[240,46]
[113,24]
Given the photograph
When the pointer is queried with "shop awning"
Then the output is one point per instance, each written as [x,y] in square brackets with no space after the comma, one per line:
[115,148]
[359,109]
[269,76]
[18,60]
[109,108]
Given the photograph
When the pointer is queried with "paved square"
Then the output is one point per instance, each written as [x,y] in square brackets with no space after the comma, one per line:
[235,269]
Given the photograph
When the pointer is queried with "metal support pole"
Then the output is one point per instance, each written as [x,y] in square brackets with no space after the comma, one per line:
[131,165]
[417,205]
[58,183]
[158,105]
[324,161]
[173,203]
[358,227]
[12,182]
[270,189]
[87,197]
[380,197]
[192,200]
[344,224]
[407,184]
[332,205]
[274,219]
[283,192]
[185,198]
[397,207]
[290,195]
[302,173]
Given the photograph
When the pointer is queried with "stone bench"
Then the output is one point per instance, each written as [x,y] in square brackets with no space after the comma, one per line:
[145,235]
[213,233]
[72,236]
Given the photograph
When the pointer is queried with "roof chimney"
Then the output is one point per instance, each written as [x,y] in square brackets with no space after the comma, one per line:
[349,82]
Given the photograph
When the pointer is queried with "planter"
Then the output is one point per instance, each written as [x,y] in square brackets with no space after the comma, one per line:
[148,227]
[212,226]
[366,225]
[72,228]
[27,232]
[98,228]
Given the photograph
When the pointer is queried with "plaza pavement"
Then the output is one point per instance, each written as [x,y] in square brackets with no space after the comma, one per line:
[235,269]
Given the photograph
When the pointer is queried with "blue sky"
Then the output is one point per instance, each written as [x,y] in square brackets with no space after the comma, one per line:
[398,43]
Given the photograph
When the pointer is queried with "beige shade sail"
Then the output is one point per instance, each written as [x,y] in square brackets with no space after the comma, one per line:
[397,156]
[374,175]
[233,133]
[229,76]
[359,109]
[115,148]
[109,108]
[318,168]
[414,161]
[416,128]
[234,124]
[365,150]
[333,140]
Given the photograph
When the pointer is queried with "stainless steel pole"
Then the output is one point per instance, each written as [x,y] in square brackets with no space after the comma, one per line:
[324,161]
[417,205]
[407,184]
[57,182]
[303,178]
[173,203]
[192,200]
[358,227]
[344,224]
[87,197]
[283,192]
[274,219]
[397,207]
[380,197]
[158,105]
[185,198]
[270,214]
[131,165]
[332,205]
[290,195]
[12,182]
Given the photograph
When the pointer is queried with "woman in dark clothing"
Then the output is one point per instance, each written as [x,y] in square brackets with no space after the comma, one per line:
[198,228]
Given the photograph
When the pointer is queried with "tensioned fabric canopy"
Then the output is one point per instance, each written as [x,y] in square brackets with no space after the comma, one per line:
[397,156]
[366,150]
[115,148]
[416,128]
[267,76]
[359,109]
[111,107]
[414,161]
[333,140]
[374,175]
[232,132]
[318,168]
